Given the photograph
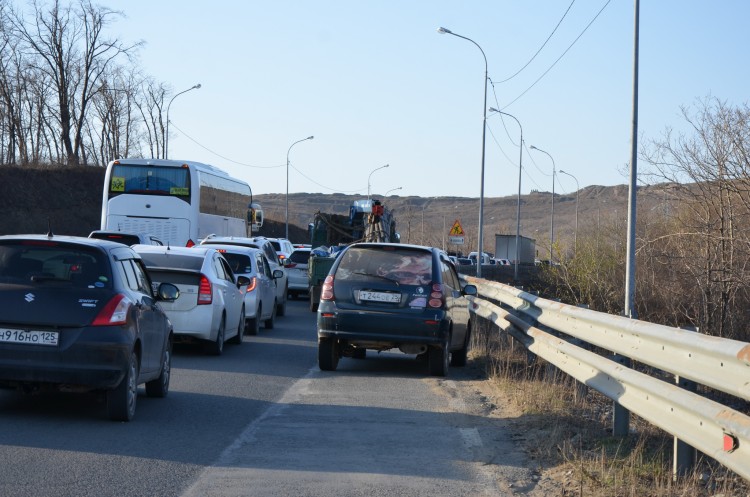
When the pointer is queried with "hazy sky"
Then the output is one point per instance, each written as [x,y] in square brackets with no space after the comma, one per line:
[376,84]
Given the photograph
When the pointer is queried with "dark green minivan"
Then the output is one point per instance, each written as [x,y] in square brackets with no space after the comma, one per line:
[382,296]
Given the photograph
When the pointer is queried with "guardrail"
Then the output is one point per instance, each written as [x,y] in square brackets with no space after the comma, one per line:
[717,430]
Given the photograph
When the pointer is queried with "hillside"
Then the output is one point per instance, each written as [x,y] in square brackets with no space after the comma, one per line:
[69,199]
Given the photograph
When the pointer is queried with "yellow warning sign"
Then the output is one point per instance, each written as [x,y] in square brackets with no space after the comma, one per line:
[456,230]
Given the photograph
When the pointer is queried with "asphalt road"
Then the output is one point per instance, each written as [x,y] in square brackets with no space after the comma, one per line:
[263,420]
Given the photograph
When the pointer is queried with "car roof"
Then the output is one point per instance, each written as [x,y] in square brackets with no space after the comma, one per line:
[232,248]
[196,250]
[80,240]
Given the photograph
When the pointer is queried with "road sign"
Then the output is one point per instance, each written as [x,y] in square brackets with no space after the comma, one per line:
[456,240]
[456,230]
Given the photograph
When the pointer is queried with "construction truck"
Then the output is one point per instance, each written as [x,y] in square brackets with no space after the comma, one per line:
[368,221]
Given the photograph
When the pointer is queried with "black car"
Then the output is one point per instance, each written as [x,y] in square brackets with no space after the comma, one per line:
[78,314]
[383,296]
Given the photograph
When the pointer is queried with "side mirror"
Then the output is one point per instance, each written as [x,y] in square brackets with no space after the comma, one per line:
[242,281]
[469,290]
[278,273]
[168,292]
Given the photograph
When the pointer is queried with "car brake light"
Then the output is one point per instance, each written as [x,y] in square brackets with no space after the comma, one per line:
[436,296]
[190,243]
[291,265]
[205,295]
[326,292]
[115,312]
[251,285]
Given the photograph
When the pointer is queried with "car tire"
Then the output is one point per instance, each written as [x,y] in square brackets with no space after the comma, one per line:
[217,346]
[460,356]
[292,294]
[281,306]
[328,354]
[121,400]
[269,323]
[438,359]
[159,387]
[252,326]
[237,339]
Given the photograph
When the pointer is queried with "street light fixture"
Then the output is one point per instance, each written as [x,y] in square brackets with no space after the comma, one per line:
[575,233]
[480,250]
[166,140]
[392,190]
[552,223]
[370,176]
[518,203]
[286,210]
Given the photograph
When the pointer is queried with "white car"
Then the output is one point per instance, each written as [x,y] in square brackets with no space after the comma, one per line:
[260,294]
[299,279]
[211,305]
[283,247]
[259,242]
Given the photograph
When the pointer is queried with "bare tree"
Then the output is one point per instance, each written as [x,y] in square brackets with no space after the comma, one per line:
[67,45]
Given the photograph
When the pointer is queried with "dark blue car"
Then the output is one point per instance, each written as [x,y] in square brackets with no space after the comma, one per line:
[79,314]
[383,296]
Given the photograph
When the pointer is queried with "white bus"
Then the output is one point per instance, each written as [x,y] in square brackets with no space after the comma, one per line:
[180,202]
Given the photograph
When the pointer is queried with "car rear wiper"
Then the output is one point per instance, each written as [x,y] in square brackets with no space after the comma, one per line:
[362,273]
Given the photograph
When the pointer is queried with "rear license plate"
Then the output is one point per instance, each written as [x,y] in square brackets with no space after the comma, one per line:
[394,298]
[30,337]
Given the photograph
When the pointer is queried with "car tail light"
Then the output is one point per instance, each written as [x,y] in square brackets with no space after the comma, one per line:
[251,285]
[436,297]
[190,243]
[115,312]
[205,294]
[326,292]
[291,264]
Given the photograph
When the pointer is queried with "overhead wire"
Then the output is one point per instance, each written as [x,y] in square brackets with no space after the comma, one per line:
[560,57]
[543,45]
[259,167]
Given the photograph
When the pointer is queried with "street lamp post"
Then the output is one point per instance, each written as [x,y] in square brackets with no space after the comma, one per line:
[575,233]
[392,190]
[370,176]
[286,209]
[552,223]
[166,139]
[480,250]
[518,202]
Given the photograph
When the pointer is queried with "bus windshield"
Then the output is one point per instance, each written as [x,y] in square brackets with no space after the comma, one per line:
[150,180]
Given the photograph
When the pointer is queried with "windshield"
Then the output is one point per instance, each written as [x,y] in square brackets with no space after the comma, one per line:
[174,261]
[150,180]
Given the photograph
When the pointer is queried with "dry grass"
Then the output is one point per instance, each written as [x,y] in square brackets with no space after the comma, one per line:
[566,431]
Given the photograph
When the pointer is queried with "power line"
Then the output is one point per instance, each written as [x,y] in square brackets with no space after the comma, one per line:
[559,58]
[543,45]
[323,186]
[219,155]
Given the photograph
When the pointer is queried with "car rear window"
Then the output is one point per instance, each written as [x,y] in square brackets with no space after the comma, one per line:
[404,266]
[42,261]
[240,263]
[174,261]
[300,256]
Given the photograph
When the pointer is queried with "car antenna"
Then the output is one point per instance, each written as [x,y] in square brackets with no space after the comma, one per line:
[49,228]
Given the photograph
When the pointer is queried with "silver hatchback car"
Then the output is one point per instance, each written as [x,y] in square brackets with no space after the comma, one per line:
[211,305]
[260,293]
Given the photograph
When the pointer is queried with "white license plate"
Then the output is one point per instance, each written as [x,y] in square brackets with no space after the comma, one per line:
[30,337]
[380,297]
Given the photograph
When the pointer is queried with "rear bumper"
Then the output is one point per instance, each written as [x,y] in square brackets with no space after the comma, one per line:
[88,363]
[382,328]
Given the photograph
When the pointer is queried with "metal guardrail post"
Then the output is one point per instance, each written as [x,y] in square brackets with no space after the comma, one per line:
[620,415]
[684,456]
